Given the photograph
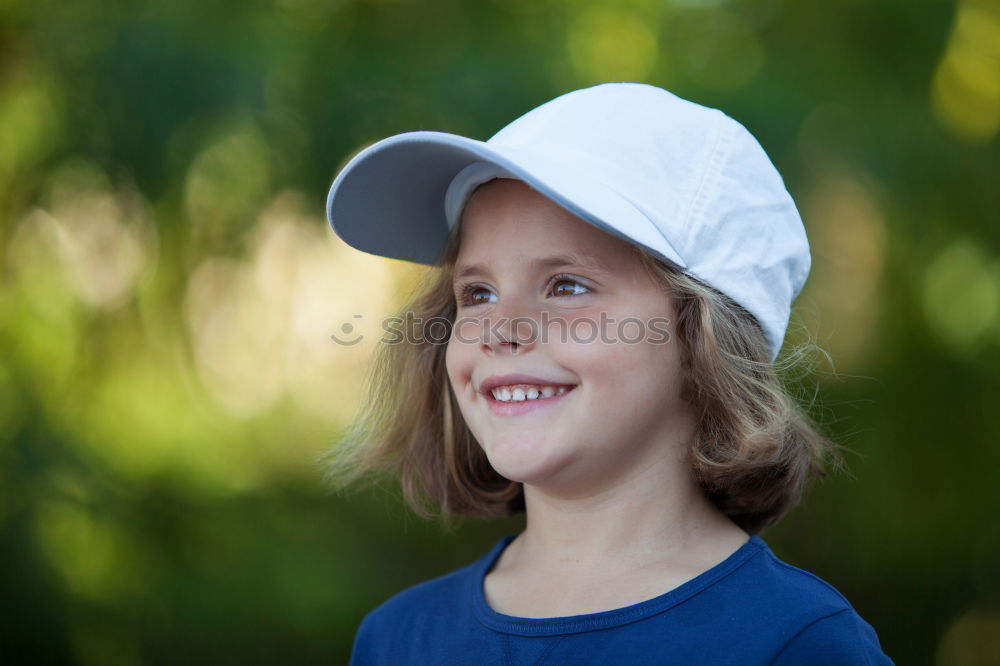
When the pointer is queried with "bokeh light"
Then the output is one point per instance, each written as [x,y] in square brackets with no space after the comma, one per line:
[961,294]
[972,640]
[965,89]
[847,240]
[611,44]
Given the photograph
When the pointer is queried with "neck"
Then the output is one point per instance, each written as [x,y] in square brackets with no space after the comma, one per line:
[656,515]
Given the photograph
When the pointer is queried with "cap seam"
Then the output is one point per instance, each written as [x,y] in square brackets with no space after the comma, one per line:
[709,176]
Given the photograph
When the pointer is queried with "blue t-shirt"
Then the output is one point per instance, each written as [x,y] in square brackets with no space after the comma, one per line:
[749,609]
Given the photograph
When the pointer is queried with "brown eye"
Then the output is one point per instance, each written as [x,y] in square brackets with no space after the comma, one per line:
[473,295]
[566,286]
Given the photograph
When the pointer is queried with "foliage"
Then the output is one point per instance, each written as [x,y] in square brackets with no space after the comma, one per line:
[168,287]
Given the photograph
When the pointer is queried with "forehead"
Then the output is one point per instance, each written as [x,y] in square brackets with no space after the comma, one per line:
[507,221]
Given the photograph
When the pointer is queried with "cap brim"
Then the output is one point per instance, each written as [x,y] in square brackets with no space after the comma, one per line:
[389,198]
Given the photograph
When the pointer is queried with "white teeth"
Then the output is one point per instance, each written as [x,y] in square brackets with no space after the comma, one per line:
[520,394]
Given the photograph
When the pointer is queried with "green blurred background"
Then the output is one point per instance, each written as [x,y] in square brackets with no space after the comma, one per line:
[169,285]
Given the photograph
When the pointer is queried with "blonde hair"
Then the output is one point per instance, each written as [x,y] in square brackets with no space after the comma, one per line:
[754,454]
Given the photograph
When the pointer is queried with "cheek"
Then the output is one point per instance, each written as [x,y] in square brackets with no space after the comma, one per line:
[451,362]
[458,355]
[633,372]
[465,332]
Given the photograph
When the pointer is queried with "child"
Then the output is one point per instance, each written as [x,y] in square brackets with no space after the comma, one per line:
[615,272]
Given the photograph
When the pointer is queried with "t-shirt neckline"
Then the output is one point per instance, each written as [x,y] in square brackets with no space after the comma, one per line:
[551,626]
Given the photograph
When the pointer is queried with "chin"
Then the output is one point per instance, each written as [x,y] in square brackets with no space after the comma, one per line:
[528,462]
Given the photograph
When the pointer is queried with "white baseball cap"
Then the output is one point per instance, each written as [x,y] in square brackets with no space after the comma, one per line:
[683,181]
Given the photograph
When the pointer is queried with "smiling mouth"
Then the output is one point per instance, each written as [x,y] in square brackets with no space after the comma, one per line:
[522,394]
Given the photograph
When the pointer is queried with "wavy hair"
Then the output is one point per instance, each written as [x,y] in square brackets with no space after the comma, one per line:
[755,452]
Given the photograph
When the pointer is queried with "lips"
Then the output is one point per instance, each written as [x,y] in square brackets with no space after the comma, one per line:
[513,395]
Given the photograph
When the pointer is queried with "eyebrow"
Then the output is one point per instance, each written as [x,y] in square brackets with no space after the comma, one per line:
[556,261]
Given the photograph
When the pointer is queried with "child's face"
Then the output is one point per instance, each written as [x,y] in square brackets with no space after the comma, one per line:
[624,413]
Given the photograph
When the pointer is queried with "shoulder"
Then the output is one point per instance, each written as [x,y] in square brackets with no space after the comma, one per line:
[435,594]
[407,621]
[818,624]
[771,581]
[835,639]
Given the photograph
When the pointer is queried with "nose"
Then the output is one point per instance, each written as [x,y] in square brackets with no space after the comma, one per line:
[510,329]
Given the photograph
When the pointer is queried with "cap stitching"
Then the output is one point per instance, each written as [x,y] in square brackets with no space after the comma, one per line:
[716,158]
